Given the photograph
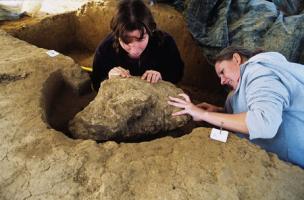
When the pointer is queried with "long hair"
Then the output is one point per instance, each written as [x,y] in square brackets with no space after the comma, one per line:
[131,15]
[227,53]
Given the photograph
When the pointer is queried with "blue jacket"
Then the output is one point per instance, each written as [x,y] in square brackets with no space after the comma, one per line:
[271,91]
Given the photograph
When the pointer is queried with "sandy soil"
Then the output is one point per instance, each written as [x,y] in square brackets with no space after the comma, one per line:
[39,160]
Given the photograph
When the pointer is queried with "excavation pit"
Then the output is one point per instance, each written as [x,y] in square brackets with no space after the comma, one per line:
[39,162]
[68,34]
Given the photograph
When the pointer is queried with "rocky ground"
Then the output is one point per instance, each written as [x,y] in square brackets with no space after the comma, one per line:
[40,161]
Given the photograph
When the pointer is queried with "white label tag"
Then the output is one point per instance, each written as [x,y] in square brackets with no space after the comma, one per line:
[52,53]
[219,135]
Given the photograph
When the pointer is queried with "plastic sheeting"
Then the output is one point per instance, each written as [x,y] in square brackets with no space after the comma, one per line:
[9,10]
[271,25]
[13,9]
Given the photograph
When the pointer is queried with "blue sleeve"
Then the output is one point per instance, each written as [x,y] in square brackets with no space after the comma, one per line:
[266,99]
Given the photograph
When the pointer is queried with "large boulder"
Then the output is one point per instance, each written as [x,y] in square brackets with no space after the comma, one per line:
[127,107]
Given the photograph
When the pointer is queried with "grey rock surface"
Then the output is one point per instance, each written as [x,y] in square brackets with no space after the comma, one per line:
[126,107]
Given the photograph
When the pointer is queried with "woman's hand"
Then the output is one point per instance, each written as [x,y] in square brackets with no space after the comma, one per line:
[210,107]
[188,107]
[151,76]
[119,71]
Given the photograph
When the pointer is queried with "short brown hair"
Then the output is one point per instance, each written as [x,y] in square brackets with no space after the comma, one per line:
[131,15]
[227,53]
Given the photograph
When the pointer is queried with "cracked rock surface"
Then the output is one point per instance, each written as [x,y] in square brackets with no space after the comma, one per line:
[126,107]
[38,162]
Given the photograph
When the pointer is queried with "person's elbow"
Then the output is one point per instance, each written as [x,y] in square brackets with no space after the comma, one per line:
[262,125]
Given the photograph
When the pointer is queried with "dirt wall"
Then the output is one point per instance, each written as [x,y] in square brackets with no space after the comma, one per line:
[93,24]
[50,32]
[83,30]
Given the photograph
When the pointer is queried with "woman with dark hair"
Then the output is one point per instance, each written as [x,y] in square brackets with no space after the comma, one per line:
[136,47]
[266,102]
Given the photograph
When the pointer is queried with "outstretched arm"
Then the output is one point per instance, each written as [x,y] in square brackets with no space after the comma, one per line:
[232,122]
[210,107]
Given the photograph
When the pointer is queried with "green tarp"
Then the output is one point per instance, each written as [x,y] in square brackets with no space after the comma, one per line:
[271,25]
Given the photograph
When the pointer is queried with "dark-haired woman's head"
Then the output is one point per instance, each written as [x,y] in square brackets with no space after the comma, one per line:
[228,62]
[227,53]
[132,26]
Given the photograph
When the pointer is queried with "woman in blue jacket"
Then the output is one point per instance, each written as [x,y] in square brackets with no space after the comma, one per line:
[266,102]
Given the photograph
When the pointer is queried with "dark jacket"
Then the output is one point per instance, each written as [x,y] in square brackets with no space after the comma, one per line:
[161,55]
